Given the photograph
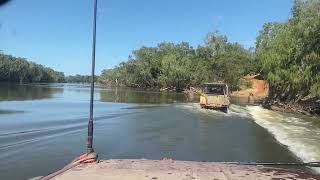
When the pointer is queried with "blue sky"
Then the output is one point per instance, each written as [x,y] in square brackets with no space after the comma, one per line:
[57,33]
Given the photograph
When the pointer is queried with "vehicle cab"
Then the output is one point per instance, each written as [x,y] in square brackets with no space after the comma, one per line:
[215,96]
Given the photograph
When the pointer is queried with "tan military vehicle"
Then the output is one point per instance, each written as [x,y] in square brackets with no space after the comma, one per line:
[215,96]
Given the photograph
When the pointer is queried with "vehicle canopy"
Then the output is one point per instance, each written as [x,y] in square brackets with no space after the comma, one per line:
[215,88]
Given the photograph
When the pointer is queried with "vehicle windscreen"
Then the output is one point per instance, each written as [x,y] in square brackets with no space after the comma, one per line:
[216,90]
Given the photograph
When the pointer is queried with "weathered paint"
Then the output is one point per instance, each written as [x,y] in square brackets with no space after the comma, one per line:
[214,101]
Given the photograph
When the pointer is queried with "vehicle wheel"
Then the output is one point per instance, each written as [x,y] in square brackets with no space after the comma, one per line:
[225,110]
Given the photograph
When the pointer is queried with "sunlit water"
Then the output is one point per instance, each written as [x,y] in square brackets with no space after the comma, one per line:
[43,127]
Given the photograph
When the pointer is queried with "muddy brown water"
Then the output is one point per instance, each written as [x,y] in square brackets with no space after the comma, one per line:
[43,127]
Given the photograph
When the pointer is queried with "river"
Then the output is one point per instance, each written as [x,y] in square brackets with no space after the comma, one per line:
[44,126]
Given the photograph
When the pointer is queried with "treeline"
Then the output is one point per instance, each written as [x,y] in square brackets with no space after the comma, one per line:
[287,54]
[15,69]
[179,66]
[79,79]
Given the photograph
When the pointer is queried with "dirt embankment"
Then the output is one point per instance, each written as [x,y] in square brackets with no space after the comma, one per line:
[257,91]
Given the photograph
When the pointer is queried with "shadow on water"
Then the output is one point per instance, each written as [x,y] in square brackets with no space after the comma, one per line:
[21,92]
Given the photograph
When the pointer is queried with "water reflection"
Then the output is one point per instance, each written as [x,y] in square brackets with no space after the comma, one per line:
[128,95]
[20,92]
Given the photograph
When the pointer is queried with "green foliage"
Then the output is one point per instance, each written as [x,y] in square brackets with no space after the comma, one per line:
[79,79]
[289,53]
[13,69]
[246,84]
[179,66]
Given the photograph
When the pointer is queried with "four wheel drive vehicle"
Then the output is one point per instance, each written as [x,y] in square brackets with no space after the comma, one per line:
[215,96]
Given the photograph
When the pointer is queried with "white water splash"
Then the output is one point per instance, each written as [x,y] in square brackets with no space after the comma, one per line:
[234,110]
[301,136]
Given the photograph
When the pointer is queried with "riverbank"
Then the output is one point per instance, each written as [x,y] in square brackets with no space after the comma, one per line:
[258,94]
[308,107]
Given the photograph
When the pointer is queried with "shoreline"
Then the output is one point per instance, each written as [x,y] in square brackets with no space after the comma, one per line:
[310,107]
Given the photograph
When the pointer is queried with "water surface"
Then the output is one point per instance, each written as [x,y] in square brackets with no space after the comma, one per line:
[43,127]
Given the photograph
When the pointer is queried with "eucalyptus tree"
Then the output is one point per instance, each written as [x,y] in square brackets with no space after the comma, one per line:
[289,53]
[15,69]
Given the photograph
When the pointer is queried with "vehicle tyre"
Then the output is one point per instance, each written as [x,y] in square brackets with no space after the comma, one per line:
[225,109]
